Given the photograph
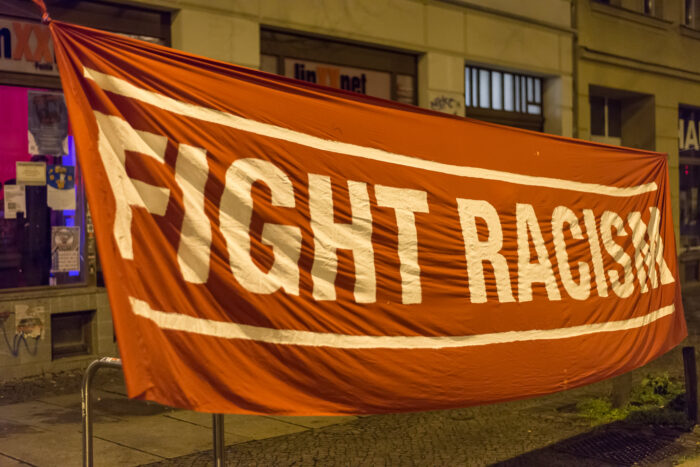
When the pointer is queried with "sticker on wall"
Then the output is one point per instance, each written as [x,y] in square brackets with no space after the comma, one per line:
[88,222]
[60,191]
[65,249]
[31,173]
[29,321]
[14,200]
[48,123]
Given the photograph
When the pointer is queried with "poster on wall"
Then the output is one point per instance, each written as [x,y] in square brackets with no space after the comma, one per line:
[65,249]
[60,187]
[14,200]
[29,320]
[48,123]
[31,173]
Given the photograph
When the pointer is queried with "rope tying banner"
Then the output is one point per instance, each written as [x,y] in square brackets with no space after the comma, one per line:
[45,18]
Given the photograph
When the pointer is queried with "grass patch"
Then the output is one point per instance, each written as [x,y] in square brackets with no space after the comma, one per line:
[599,410]
[656,400]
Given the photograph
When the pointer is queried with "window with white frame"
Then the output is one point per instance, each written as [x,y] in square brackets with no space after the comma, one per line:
[504,97]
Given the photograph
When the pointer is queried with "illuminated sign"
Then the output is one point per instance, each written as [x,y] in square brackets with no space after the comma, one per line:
[688,126]
[370,82]
[689,176]
[26,48]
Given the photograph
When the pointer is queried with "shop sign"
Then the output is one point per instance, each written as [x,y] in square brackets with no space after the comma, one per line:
[26,47]
[370,82]
[688,128]
[689,176]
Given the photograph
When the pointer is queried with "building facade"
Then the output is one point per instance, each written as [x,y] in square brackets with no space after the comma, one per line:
[54,311]
[617,71]
[638,85]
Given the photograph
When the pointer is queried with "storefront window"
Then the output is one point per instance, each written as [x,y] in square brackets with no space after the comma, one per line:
[42,207]
[689,183]
[364,69]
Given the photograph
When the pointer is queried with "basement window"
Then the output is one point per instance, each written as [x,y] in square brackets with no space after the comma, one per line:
[71,334]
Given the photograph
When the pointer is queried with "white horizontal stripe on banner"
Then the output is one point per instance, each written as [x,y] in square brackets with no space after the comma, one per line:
[123,88]
[225,330]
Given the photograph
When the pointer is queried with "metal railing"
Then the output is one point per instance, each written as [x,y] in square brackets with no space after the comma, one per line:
[109,362]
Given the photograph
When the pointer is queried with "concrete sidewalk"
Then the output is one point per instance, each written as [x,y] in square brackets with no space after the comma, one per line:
[48,431]
[44,429]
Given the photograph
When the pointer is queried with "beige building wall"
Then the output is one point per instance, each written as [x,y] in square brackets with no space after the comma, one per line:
[652,55]
[533,38]
[530,37]
[36,357]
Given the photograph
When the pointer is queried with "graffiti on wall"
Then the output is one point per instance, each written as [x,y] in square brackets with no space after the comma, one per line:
[28,328]
[451,103]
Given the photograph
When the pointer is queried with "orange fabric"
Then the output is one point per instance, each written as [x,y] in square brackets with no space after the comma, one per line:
[276,247]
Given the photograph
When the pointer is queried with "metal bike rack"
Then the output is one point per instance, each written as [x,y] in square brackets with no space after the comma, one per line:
[109,362]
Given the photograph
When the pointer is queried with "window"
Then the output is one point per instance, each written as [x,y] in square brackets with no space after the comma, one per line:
[622,118]
[646,7]
[692,9]
[42,221]
[689,185]
[365,69]
[649,7]
[497,90]
[71,334]
[606,120]
[503,97]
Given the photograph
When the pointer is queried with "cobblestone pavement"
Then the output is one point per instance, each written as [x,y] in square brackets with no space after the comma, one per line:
[543,431]
[514,434]
[477,436]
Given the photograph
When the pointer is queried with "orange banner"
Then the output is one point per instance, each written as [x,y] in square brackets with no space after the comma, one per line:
[272,246]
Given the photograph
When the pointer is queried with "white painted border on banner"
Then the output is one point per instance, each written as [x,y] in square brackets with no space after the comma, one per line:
[228,330]
[123,88]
